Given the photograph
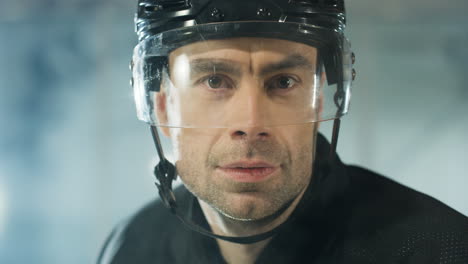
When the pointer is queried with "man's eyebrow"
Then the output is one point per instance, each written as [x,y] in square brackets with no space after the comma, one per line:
[292,61]
[200,66]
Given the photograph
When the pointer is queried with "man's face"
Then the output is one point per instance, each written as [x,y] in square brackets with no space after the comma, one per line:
[238,92]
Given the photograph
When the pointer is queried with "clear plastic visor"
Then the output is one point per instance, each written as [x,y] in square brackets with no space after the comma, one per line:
[240,81]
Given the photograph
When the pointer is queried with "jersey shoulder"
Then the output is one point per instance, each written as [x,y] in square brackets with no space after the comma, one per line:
[141,238]
[388,220]
[370,189]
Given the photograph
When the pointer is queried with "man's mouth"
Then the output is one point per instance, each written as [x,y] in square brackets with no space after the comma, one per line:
[248,171]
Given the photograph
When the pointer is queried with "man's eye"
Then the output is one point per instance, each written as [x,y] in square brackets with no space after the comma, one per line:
[281,82]
[217,82]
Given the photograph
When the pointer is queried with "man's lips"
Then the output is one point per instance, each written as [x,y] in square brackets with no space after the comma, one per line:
[248,171]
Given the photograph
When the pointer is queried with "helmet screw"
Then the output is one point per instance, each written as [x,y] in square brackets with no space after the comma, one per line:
[353,58]
[333,3]
[353,73]
[216,14]
[263,12]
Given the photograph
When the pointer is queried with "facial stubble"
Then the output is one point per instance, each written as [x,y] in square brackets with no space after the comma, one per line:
[243,200]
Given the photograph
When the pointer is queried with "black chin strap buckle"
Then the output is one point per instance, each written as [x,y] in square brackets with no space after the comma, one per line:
[165,173]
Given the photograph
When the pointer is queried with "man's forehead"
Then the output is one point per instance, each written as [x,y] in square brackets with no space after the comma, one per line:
[239,49]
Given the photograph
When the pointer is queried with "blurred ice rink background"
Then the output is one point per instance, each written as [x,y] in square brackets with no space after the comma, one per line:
[74,160]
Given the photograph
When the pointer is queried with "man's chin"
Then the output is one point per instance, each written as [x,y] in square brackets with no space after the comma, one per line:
[248,206]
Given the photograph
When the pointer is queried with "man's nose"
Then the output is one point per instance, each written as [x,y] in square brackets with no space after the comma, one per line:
[252,115]
[250,133]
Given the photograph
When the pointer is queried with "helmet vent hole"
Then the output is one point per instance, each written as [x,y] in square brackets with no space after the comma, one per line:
[304,2]
[167,5]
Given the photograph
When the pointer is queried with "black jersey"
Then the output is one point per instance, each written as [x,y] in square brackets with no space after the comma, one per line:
[347,215]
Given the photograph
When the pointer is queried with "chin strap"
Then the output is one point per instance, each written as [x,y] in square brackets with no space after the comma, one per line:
[334,140]
[165,173]
[339,101]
